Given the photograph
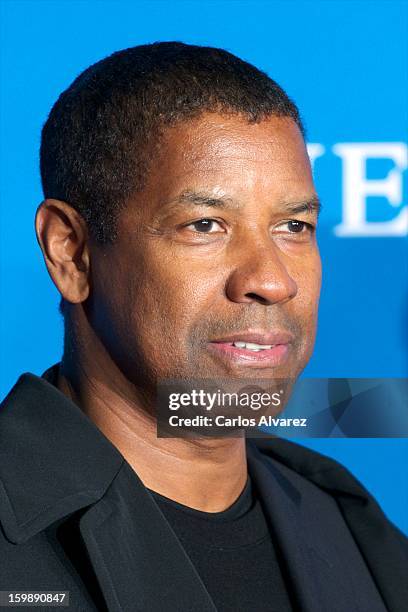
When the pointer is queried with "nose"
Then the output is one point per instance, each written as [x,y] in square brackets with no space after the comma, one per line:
[261,276]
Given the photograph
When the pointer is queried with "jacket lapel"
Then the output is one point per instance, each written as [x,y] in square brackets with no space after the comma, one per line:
[320,575]
[137,558]
[383,547]
[280,500]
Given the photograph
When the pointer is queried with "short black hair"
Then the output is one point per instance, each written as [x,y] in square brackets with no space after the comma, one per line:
[100,135]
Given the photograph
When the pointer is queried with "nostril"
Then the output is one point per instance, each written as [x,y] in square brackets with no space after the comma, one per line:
[258,298]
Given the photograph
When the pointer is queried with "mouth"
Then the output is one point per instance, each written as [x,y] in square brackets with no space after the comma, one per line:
[259,349]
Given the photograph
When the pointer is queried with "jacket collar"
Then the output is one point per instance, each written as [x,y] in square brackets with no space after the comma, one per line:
[53,459]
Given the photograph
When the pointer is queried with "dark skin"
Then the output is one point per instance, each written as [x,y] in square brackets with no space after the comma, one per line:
[220,241]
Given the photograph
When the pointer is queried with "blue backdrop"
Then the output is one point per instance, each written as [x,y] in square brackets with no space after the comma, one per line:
[344,64]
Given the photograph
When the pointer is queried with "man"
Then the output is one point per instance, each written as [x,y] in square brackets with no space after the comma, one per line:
[179,227]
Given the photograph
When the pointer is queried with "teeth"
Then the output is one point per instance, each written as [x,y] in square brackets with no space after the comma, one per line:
[252,346]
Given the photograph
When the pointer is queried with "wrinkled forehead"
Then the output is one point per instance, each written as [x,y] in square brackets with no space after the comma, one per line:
[228,151]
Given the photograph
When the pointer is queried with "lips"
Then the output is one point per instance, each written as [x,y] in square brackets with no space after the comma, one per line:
[254,348]
[257,337]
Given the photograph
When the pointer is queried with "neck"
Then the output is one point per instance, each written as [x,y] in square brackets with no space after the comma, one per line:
[205,474]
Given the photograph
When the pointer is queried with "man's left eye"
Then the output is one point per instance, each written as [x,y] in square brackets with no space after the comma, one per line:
[206,226]
[298,227]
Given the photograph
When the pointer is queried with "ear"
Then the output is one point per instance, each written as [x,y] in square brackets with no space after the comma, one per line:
[63,237]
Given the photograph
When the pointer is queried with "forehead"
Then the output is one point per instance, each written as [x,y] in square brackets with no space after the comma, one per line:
[214,136]
[222,152]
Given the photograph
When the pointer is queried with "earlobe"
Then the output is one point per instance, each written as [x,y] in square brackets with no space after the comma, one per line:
[63,237]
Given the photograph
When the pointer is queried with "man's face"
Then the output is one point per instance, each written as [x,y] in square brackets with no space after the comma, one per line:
[217,249]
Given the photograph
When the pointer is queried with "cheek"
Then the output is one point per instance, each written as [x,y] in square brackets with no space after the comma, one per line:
[309,277]
[306,303]
[166,301]
[312,295]
[182,278]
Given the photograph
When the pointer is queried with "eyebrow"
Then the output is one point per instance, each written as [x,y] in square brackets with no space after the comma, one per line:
[313,205]
[197,198]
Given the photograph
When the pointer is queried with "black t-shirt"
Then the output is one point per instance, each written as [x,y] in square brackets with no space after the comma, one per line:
[233,553]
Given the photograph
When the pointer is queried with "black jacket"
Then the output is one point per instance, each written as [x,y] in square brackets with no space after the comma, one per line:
[75,517]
